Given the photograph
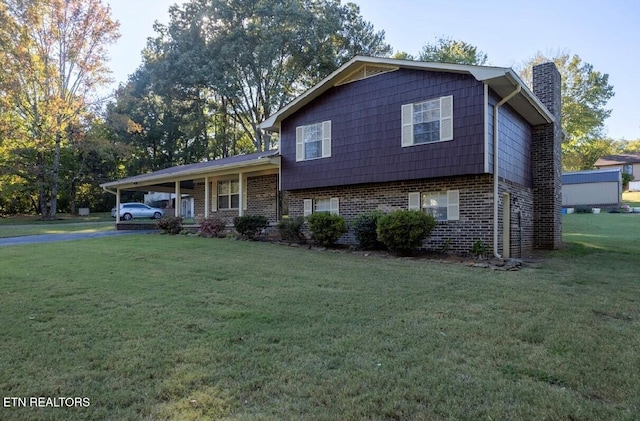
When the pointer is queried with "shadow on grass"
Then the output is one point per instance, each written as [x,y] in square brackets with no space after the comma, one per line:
[580,249]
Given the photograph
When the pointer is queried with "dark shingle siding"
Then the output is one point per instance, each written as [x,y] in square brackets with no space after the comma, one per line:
[366,132]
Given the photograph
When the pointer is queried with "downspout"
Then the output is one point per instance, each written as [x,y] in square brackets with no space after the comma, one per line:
[496,148]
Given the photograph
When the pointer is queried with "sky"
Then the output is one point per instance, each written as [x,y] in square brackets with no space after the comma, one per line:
[510,32]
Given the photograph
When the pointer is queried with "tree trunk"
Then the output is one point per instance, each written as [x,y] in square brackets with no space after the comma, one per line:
[54,177]
[72,196]
[41,182]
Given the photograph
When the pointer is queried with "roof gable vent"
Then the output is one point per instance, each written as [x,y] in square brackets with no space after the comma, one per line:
[366,71]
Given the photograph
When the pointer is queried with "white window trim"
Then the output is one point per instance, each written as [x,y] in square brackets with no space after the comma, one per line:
[326,141]
[228,195]
[453,203]
[334,206]
[446,122]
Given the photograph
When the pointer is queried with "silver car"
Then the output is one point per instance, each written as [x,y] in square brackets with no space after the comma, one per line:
[129,211]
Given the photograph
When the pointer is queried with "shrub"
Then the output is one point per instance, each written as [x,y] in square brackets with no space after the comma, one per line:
[291,229]
[211,227]
[170,224]
[326,228]
[479,248]
[250,226]
[365,230]
[626,179]
[404,231]
[583,209]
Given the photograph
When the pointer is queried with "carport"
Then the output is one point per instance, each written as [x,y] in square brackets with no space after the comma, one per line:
[201,179]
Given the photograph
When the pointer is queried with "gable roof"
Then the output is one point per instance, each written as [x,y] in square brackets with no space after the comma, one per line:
[591,176]
[169,175]
[622,159]
[501,79]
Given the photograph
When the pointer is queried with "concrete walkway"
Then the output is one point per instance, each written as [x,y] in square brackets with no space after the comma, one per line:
[51,238]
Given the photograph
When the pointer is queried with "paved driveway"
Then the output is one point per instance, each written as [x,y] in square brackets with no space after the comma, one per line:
[50,238]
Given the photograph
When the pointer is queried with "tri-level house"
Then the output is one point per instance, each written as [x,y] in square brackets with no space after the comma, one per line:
[471,145]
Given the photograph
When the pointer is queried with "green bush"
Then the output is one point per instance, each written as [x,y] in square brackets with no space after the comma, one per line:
[404,231]
[479,248]
[251,225]
[291,230]
[170,224]
[365,229]
[626,179]
[326,228]
[211,227]
[583,209]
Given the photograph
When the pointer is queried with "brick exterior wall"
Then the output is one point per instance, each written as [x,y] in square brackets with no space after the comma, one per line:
[547,161]
[262,199]
[476,209]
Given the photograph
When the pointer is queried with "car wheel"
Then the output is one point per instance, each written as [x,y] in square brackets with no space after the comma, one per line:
[157,215]
[127,217]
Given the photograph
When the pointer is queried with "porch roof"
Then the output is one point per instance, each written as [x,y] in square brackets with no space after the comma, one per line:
[164,180]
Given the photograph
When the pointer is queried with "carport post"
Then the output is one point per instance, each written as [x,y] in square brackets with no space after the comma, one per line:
[206,197]
[117,205]
[178,204]
[241,188]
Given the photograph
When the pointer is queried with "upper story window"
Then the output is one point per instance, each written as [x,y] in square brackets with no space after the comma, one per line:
[228,194]
[313,141]
[428,121]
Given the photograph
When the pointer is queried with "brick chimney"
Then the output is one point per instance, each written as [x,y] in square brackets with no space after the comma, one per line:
[547,161]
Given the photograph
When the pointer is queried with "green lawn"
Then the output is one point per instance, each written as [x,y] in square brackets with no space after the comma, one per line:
[156,327]
[17,226]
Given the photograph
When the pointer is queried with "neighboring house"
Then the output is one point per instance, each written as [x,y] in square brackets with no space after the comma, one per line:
[598,188]
[391,134]
[627,163]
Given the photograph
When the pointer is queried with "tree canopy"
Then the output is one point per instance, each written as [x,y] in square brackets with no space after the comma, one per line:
[254,56]
[585,94]
[447,50]
[53,58]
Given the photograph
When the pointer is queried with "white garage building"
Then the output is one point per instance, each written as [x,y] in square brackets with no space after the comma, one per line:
[597,188]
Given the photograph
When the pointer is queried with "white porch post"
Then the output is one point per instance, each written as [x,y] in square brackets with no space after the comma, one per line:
[241,188]
[206,197]
[117,205]
[178,205]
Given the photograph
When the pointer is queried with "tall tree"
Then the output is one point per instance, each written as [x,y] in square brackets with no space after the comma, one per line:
[256,55]
[585,94]
[447,50]
[53,56]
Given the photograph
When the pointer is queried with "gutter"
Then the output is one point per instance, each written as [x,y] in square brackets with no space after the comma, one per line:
[186,174]
[496,160]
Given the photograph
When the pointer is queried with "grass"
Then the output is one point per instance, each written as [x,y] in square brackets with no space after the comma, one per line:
[157,327]
[17,226]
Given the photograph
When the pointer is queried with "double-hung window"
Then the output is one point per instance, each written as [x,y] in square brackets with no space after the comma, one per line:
[443,206]
[228,194]
[313,141]
[628,169]
[428,121]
